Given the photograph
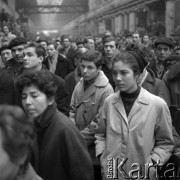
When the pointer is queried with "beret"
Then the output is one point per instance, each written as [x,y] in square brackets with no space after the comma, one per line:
[165,41]
[17,41]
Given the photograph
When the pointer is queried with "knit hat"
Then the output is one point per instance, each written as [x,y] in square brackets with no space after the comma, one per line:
[17,41]
[165,41]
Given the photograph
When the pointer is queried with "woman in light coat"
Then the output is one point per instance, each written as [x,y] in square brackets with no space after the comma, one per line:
[135,131]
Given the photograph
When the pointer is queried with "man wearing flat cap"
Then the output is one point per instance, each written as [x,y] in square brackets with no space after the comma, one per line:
[163,48]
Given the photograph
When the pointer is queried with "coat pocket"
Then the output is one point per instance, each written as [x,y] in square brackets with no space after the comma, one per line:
[89,111]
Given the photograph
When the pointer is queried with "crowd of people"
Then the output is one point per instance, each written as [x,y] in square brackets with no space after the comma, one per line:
[90,108]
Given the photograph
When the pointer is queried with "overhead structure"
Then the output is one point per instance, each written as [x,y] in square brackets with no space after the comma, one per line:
[51,9]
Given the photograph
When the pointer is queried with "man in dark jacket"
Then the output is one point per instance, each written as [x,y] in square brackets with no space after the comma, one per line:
[57,63]
[34,56]
[110,51]
[8,93]
[68,50]
[7,75]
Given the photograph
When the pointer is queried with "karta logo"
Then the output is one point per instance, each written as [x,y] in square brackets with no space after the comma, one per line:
[117,169]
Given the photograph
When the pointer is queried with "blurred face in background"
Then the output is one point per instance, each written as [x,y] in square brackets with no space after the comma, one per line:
[6,29]
[110,48]
[162,52]
[18,53]
[66,42]
[51,50]
[136,37]
[145,39]
[6,55]
[90,44]
[44,44]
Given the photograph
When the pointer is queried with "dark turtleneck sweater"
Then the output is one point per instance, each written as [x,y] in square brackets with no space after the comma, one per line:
[129,99]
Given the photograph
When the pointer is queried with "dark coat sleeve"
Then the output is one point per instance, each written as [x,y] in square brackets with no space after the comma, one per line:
[62,97]
[77,160]
[70,67]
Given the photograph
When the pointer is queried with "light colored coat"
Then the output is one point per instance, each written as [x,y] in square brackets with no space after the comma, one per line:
[86,105]
[143,136]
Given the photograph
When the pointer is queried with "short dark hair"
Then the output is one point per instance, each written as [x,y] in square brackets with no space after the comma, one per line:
[109,39]
[42,79]
[66,37]
[43,40]
[88,37]
[53,43]
[92,56]
[18,134]
[39,49]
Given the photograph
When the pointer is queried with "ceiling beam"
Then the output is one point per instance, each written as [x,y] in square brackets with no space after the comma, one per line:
[51,9]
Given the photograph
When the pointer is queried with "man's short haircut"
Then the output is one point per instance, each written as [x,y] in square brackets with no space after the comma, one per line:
[66,37]
[92,56]
[42,79]
[54,44]
[107,39]
[39,49]
[87,38]
[43,40]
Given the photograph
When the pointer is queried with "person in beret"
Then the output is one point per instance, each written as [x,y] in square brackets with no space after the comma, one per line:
[163,48]
[8,94]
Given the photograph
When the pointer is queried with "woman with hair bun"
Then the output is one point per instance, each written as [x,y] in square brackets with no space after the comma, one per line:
[134,130]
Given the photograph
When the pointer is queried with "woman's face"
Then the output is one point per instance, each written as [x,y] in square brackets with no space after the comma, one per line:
[124,77]
[34,101]
[8,169]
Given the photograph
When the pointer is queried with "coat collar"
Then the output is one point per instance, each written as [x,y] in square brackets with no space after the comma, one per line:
[101,81]
[46,118]
[141,99]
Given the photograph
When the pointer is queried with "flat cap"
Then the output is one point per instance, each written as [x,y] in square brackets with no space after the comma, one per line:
[17,41]
[165,41]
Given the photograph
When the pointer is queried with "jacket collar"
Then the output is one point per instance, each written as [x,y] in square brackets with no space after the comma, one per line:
[141,99]
[150,77]
[46,118]
[101,80]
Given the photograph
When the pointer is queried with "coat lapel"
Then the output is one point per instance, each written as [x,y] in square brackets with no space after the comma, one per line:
[85,95]
[120,107]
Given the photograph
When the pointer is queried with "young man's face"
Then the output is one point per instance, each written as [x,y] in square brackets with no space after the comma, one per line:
[44,44]
[18,53]
[110,48]
[66,43]
[51,50]
[89,70]
[31,60]
[6,29]
[162,52]
[136,37]
[90,44]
